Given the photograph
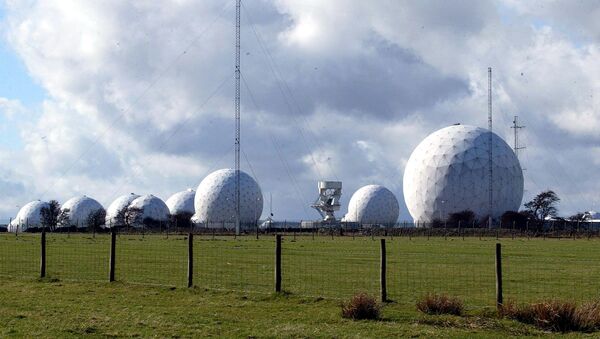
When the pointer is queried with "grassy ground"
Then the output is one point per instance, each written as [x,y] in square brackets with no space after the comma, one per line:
[53,308]
[533,269]
[234,281]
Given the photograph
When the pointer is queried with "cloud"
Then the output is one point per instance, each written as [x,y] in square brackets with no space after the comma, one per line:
[140,95]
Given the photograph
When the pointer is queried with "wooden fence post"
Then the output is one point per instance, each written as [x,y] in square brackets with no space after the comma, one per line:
[111,261]
[278,263]
[43,255]
[190,272]
[382,277]
[499,300]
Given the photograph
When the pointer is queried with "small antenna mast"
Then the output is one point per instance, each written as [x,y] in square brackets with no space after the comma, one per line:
[516,128]
[491,147]
[237,115]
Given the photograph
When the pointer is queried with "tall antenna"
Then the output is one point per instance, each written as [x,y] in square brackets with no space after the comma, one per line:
[237,115]
[491,147]
[516,128]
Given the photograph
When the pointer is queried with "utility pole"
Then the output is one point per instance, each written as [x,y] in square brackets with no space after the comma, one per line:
[491,147]
[237,115]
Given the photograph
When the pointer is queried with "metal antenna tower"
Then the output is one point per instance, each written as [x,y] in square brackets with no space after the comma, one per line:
[516,128]
[491,147]
[237,115]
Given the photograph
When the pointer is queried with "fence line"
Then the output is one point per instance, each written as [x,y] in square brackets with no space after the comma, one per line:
[400,268]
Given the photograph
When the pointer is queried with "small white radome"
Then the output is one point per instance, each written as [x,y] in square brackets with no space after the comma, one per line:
[182,202]
[216,196]
[373,204]
[117,206]
[29,216]
[79,210]
[153,208]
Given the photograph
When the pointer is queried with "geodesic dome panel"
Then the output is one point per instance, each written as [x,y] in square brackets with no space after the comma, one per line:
[116,206]
[182,202]
[152,208]
[215,198]
[448,172]
[373,204]
[30,215]
[80,209]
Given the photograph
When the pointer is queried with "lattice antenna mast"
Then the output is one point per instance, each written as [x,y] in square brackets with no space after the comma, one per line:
[491,147]
[237,114]
[516,128]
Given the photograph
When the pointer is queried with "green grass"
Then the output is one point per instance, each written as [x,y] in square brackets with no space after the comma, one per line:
[234,282]
[533,268]
[58,309]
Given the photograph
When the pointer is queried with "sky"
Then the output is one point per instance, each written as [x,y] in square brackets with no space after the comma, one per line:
[105,98]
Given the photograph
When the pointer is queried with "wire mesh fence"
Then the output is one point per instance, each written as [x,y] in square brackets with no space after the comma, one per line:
[322,264]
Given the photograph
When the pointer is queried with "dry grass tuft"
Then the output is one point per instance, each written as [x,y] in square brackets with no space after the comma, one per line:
[440,304]
[588,316]
[361,306]
[554,315]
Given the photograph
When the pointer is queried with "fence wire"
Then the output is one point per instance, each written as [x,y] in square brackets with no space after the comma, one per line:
[322,265]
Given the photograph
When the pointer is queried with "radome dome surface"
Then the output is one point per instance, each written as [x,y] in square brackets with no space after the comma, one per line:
[182,202]
[80,209]
[373,204]
[116,206]
[152,208]
[28,216]
[448,172]
[215,199]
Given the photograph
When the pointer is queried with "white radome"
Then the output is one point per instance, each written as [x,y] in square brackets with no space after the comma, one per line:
[30,215]
[215,199]
[80,209]
[448,172]
[182,202]
[373,204]
[117,206]
[152,207]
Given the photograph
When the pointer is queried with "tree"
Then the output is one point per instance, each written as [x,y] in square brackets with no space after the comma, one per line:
[181,220]
[64,219]
[579,217]
[132,217]
[516,219]
[464,218]
[543,206]
[49,215]
[96,219]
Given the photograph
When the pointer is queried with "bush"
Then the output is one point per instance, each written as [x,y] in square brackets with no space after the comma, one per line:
[440,304]
[361,306]
[555,315]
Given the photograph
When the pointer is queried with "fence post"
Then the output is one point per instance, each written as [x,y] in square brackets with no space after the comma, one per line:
[382,277]
[278,263]
[43,255]
[190,273]
[111,261]
[499,300]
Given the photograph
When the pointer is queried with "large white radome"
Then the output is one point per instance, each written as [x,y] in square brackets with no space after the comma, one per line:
[215,199]
[117,206]
[80,208]
[373,204]
[182,202]
[30,215]
[448,172]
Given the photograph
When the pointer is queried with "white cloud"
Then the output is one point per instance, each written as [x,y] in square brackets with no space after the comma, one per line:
[363,83]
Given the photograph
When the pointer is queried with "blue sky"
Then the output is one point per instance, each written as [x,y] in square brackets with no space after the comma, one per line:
[15,84]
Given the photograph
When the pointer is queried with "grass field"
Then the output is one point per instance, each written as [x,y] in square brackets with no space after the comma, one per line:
[321,267]
[234,283]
